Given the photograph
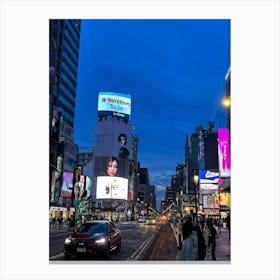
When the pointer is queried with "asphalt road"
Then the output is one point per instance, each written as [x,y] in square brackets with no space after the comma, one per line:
[137,238]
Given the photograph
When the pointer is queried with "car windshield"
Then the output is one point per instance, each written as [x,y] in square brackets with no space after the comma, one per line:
[93,227]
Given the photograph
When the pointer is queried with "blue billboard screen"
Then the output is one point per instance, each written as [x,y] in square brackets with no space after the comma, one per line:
[114,102]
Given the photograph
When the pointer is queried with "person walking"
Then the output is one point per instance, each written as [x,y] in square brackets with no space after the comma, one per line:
[212,235]
[201,252]
[189,243]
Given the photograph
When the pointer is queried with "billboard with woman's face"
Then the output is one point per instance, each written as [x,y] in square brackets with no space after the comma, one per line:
[111,166]
[111,177]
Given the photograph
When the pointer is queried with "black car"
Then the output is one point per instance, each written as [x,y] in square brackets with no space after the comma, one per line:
[93,238]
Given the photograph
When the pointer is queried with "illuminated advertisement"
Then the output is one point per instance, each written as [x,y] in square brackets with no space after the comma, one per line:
[208,177]
[210,201]
[111,188]
[81,190]
[111,166]
[113,138]
[112,177]
[67,184]
[224,152]
[208,187]
[114,102]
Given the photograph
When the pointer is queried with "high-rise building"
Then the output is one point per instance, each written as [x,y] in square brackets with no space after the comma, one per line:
[64,42]
[64,55]
[114,145]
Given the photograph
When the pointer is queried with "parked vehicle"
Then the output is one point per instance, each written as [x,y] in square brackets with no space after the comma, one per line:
[93,238]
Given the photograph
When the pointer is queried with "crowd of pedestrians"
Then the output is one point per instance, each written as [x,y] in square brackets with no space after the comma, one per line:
[59,222]
[199,237]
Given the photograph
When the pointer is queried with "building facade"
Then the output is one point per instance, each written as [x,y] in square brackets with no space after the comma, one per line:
[64,42]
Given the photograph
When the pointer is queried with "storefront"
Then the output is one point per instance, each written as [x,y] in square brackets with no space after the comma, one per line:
[64,212]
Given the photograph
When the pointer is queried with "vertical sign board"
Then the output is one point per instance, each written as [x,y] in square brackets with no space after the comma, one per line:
[224,152]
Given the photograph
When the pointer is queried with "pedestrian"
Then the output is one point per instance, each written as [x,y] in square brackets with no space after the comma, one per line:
[206,233]
[189,243]
[201,241]
[212,235]
[202,223]
[228,225]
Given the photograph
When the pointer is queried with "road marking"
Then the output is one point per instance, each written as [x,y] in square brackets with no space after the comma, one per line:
[137,254]
[56,256]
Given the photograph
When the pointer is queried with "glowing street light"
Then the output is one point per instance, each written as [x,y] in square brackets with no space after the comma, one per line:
[226,101]
[195,180]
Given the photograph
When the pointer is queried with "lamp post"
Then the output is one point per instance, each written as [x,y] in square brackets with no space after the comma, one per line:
[195,179]
[227,105]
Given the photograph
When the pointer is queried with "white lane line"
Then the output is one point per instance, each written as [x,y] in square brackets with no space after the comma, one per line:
[56,256]
[136,255]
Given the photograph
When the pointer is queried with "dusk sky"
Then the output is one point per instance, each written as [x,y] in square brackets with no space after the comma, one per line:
[174,71]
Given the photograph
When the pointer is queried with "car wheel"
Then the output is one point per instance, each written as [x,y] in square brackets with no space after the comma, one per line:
[67,257]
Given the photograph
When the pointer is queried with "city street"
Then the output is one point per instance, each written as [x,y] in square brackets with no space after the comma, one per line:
[141,242]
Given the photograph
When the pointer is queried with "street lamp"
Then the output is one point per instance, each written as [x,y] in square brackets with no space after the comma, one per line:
[195,179]
[227,105]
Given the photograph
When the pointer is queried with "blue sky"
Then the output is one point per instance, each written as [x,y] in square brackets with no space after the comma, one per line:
[175,72]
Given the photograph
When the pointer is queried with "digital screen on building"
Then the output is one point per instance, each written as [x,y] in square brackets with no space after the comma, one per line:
[109,187]
[224,152]
[114,102]
[208,177]
[67,184]
[208,186]
[82,189]
[111,166]
[210,201]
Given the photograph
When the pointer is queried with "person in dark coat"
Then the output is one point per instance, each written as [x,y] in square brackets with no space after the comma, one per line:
[201,250]
[201,241]
[212,238]
[189,243]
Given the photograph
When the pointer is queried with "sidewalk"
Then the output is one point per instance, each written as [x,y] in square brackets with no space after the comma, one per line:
[223,246]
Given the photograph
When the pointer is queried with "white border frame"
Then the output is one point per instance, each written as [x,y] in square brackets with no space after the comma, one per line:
[255,134]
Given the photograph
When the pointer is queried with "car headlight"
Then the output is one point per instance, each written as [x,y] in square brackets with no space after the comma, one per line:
[68,240]
[100,240]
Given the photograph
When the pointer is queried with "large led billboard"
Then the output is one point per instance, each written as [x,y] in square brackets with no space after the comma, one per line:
[210,201]
[109,187]
[111,166]
[224,152]
[114,102]
[82,189]
[208,186]
[208,177]
[112,175]
[113,138]
[67,184]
